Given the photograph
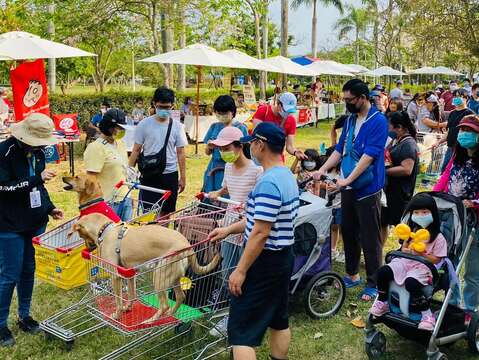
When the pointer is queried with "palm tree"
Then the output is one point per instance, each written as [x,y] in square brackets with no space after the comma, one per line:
[313,3]
[356,20]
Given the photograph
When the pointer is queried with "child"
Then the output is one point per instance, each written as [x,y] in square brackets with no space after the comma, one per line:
[304,169]
[412,274]
[240,177]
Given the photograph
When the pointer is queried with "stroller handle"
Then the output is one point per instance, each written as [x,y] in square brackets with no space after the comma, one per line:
[202,195]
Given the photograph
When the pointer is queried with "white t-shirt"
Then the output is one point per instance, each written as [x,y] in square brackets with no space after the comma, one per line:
[240,183]
[151,134]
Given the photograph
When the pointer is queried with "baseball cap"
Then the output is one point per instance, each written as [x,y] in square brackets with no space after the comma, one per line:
[289,101]
[374,93]
[470,121]
[112,118]
[267,132]
[227,135]
[432,98]
[378,87]
[399,81]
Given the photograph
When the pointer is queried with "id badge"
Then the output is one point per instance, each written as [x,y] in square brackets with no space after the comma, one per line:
[35,199]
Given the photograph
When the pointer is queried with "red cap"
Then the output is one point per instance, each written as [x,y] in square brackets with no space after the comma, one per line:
[470,121]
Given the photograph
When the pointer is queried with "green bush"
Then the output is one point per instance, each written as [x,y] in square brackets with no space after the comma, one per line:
[86,105]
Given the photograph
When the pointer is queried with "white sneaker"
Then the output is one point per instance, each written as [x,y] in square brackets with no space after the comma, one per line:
[340,257]
[221,327]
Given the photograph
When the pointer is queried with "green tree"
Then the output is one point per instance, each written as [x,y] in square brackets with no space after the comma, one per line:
[314,4]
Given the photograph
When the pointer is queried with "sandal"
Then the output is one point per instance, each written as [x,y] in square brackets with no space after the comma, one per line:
[370,292]
[351,283]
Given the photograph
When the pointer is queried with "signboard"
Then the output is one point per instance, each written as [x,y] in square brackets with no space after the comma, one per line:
[29,87]
[249,95]
[66,124]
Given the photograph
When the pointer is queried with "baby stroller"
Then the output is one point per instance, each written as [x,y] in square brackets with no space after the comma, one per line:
[450,324]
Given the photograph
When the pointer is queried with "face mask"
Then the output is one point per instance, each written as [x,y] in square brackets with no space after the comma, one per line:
[162,113]
[224,118]
[392,134]
[477,94]
[453,87]
[422,220]
[467,139]
[352,108]
[309,165]
[103,111]
[256,162]
[119,134]
[229,156]
[457,101]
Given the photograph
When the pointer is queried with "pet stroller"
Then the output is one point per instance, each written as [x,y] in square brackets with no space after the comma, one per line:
[450,324]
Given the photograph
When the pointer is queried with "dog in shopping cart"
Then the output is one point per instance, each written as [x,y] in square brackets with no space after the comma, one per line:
[126,246]
[90,196]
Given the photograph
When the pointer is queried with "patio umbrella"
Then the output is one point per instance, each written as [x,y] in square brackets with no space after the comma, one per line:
[442,70]
[198,55]
[19,45]
[425,70]
[328,67]
[249,61]
[287,66]
[358,68]
[384,71]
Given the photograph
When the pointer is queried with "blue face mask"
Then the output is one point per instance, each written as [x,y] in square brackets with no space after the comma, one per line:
[422,220]
[392,135]
[457,101]
[162,113]
[467,139]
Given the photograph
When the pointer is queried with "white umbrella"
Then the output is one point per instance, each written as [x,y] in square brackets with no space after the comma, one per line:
[384,71]
[358,68]
[19,45]
[249,61]
[328,67]
[198,55]
[422,71]
[442,70]
[287,66]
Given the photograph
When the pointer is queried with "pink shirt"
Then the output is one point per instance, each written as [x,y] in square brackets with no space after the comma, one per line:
[240,183]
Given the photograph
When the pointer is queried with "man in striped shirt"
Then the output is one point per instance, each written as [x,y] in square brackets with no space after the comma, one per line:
[260,283]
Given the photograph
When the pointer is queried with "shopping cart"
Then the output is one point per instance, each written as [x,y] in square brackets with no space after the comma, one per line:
[58,256]
[183,333]
[431,158]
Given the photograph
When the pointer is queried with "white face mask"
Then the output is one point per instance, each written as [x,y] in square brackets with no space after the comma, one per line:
[309,165]
[103,111]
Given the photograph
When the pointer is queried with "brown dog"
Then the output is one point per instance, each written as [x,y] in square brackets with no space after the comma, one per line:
[90,195]
[139,245]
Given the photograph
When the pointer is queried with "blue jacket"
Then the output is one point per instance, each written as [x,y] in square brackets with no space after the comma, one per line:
[370,140]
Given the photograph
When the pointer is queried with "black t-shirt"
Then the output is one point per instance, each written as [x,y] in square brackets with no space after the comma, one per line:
[454,119]
[406,148]
[339,123]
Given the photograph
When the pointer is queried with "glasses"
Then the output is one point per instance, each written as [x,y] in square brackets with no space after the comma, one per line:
[163,107]
[349,100]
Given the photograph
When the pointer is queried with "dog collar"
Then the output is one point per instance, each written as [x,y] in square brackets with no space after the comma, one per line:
[103,230]
[90,203]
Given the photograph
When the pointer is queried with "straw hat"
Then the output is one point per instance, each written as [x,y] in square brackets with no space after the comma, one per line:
[35,130]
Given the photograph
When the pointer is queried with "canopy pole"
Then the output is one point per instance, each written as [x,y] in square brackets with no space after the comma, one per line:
[197,120]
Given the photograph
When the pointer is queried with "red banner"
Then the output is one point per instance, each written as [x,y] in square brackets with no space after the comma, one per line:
[66,124]
[29,87]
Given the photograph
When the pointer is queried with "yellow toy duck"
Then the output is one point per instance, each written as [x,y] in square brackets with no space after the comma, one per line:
[418,239]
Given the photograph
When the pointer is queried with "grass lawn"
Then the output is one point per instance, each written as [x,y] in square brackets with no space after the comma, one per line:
[333,338]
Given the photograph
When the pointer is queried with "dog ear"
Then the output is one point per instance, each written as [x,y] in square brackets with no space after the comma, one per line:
[90,185]
[74,229]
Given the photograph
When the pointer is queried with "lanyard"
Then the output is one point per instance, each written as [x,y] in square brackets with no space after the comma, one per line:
[31,164]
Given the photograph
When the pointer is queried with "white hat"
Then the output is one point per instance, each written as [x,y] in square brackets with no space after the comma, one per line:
[35,130]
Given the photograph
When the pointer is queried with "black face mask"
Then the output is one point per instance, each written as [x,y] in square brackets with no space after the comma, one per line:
[352,108]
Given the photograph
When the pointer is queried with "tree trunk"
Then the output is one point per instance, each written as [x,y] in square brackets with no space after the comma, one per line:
[356,48]
[264,74]
[257,35]
[284,34]
[164,49]
[314,26]
[181,84]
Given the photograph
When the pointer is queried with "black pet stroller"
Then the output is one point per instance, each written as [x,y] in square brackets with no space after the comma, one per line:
[450,320]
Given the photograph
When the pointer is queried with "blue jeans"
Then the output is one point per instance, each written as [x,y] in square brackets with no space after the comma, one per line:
[17,269]
[447,157]
[124,209]
[231,254]
[471,278]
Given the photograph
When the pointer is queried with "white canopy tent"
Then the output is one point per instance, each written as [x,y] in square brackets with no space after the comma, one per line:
[287,66]
[358,68]
[384,71]
[19,45]
[249,61]
[328,67]
[442,70]
[425,70]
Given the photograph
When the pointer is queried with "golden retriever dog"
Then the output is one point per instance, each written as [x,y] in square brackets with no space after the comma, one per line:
[139,245]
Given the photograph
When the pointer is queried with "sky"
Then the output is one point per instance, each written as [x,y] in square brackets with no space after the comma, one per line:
[300,26]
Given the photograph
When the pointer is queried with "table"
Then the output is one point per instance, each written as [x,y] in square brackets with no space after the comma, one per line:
[71,151]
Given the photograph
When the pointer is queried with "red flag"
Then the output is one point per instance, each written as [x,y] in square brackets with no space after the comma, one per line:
[66,124]
[29,87]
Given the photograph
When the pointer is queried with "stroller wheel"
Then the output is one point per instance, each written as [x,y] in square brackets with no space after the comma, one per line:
[375,345]
[473,334]
[324,295]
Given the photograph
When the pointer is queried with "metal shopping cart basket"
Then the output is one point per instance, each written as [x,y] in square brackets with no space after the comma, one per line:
[58,255]
[431,157]
[180,334]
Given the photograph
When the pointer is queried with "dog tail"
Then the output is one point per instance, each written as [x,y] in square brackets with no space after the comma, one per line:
[199,269]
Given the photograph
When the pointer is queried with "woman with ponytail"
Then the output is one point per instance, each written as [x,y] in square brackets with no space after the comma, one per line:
[402,169]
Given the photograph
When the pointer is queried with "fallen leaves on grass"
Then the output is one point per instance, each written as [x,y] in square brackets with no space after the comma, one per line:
[318,335]
[358,322]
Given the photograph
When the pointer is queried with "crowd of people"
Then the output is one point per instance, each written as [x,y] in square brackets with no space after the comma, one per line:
[374,162]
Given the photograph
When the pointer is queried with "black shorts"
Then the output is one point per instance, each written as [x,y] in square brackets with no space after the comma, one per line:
[164,182]
[264,300]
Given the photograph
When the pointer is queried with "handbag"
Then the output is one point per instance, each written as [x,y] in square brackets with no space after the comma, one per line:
[351,157]
[154,165]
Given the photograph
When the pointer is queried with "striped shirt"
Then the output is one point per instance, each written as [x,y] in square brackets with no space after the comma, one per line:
[240,183]
[274,199]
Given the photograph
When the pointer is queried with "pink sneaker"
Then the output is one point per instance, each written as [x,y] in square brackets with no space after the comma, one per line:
[428,321]
[379,308]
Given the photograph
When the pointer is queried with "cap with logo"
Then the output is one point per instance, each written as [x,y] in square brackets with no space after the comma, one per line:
[267,132]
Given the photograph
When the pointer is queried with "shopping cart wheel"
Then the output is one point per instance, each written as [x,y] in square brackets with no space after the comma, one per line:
[182,327]
[324,295]
[473,333]
[48,336]
[375,345]
[69,345]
